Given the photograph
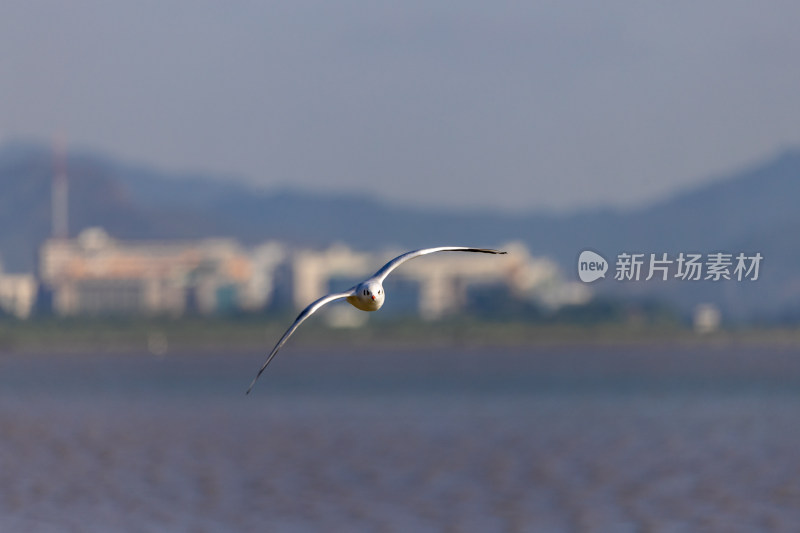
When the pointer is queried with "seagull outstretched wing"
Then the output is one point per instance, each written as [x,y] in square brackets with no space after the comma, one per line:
[307,312]
[381,274]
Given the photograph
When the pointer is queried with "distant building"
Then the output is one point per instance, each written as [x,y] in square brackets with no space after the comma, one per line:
[443,279]
[707,318]
[17,293]
[95,274]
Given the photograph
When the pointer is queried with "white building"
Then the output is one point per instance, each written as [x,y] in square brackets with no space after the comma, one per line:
[443,278]
[17,293]
[95,274]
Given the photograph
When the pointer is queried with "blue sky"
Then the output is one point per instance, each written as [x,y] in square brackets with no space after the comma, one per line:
[518,105]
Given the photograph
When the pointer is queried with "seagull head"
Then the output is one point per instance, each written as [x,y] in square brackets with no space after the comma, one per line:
[370,295]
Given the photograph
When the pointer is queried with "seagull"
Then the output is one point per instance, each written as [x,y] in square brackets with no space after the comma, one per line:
[366,296]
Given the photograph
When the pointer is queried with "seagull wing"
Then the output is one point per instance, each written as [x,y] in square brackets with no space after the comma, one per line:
[381,274]
[307,312]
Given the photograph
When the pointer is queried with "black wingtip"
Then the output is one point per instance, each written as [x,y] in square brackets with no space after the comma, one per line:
[260,371]
[486,250]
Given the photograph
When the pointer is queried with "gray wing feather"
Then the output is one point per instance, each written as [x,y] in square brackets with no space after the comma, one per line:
[307,312]
[381,274]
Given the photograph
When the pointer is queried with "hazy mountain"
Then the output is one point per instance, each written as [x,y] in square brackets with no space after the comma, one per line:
[749,211]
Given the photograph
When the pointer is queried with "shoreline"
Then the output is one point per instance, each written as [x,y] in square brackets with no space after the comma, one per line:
[193,334]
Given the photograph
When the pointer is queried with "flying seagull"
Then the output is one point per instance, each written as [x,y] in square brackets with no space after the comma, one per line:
[367,295]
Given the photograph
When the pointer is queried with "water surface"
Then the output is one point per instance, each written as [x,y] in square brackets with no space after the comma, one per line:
[456,439]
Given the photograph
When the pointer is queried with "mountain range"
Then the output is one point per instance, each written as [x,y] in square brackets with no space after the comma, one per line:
[751,211]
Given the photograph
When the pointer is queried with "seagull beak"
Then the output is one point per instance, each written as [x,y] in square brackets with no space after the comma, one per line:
[373,296]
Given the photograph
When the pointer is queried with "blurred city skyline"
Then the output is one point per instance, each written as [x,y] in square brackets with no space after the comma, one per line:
[555,107]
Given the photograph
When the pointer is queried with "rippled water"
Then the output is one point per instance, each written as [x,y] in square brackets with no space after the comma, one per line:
[545,439]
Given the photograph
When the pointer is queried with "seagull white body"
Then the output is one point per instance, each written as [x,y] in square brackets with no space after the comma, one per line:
[366,296]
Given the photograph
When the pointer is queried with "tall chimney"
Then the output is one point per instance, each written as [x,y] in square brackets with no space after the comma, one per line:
[59,193]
